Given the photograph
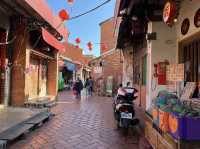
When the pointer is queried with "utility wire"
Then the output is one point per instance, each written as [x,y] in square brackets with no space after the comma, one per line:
[89,11]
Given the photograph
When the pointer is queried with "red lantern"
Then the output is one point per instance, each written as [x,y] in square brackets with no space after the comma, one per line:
[103,47]
[169,12]
[89,45]
[64,15]
[77,46]
[90,48]
[70,1]
[78,41]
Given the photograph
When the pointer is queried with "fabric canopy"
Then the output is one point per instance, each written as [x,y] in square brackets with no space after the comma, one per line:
[52,41]
[70,66]
[42,8]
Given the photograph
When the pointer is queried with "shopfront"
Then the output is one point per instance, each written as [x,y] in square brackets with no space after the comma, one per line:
[38,77]
[173,78]
[67,70]
[5,36]
[38,58]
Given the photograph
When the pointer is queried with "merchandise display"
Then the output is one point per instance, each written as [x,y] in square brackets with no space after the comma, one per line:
[175,116]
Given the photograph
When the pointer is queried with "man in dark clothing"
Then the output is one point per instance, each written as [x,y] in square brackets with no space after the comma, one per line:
[78,86]
[87,86]
[90,88]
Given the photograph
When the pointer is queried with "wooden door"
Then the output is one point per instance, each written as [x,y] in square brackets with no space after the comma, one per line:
[34,78]
[43,78]
[2,64]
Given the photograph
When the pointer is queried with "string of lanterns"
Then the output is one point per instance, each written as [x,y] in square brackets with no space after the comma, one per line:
[64,16]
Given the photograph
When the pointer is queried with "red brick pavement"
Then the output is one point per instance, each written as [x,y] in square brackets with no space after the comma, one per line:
[79,124]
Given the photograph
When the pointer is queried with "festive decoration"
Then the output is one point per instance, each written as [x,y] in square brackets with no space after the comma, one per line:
[64,15]
[77,46]
[197,18]
[70,2]
[78,41]
[61,63]
[89,46]
[185,26]
[169,12]
[104,47]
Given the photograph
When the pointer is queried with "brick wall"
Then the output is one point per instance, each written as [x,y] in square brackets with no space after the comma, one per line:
[111,59]
[111,67]
[19,60]
[52,84]
[20,80]
[107,35]
[75,54]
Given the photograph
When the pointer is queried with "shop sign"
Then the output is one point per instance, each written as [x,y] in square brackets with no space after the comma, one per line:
[169,12]
[197,18]
[185,26]
[97,69]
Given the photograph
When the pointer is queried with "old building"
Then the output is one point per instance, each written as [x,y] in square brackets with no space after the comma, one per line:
[29,66]
[107,68]
[170,43]
[76,61]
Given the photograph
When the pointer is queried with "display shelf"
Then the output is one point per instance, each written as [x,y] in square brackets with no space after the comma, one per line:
[160,140]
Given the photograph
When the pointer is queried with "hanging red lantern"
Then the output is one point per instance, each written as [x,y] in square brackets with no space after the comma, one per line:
[90,48]
[169,12]
[77,46]
[89,45]
[64,15]
[70,1]
[78,41]
[103,47]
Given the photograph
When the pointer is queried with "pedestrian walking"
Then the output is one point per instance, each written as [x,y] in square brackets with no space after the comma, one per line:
[77,88]
[87,86]
[90,90]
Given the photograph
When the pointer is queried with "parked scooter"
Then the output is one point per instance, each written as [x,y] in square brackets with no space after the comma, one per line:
[124,111]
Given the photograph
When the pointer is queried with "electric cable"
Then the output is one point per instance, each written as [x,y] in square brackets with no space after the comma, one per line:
[9,42]
[89,11]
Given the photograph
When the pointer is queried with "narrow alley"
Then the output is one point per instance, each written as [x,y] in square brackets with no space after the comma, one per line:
[84,124]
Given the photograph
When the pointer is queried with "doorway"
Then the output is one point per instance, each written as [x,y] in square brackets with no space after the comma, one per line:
[38,78]
[2,64]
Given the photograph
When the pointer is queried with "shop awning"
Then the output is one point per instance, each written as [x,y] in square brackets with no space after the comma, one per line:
[52,41]
[70,66]
[42,8]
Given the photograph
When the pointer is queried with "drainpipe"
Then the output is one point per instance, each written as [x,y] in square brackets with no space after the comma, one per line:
[7,87]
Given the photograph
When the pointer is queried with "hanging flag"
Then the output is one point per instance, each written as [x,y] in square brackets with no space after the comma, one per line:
[64,15]
[78,41]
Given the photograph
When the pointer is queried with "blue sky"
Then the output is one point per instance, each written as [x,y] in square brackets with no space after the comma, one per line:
[86,27]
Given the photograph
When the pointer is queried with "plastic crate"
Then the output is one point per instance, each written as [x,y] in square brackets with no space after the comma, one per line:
[184,128]
[177,126]
[155,115]
[192,128]
[163,120]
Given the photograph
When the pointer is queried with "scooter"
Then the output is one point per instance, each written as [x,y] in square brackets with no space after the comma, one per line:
[124,111]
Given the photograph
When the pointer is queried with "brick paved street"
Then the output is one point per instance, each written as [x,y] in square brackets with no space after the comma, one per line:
[85,124]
